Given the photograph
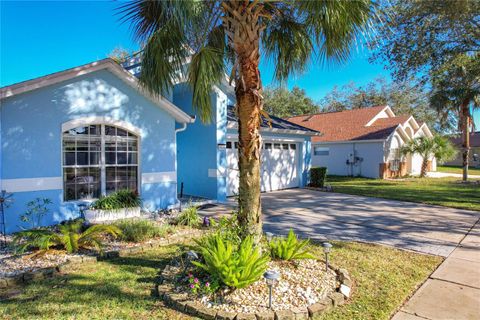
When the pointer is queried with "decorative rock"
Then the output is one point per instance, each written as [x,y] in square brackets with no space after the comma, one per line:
[265,315]
[162,289]
[284,315]
[15,281]
[337,298]
[345,290]
[300,313]
[49,272]
[347,282]
[318,308]
[245,316]
[224,315]
[3,283]
[191,307]
[342,275]
[206,313]
[177,301]
[89,259]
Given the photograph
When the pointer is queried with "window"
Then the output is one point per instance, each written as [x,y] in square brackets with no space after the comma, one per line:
[276,145]
[285,146]
[236,145]
[98,159]
[268,146]
[321,151]
[293,146]
[229,145]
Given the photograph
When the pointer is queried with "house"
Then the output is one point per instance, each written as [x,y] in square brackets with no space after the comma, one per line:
[474,159]
[77,134]
[364,142]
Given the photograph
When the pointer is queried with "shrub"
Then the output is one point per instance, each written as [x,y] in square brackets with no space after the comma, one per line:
[290,248]
[36,210]
[189,217]
[118,200]
[235,266]
[141,230]
[318,177]
[229,229]
[68,237]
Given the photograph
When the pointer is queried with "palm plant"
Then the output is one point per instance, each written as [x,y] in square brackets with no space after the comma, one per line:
[456,88]
[205,40]
[69,237]
[290,248]
[436,146]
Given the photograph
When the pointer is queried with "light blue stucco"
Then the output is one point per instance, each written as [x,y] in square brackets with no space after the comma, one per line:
[30,127]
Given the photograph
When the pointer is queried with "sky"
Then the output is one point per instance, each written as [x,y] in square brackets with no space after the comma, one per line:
[41,37]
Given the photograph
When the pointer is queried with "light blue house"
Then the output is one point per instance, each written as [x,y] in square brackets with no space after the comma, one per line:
[74,135]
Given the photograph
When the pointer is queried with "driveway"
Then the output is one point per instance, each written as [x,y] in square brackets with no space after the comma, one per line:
[334,216]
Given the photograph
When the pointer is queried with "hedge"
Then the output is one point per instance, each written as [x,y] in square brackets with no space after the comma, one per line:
[318,177]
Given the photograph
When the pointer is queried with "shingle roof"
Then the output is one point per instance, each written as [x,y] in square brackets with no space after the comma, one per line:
[474,139]
[350,125]
[275,122]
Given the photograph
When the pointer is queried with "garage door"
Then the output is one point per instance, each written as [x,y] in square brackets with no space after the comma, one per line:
[279,166]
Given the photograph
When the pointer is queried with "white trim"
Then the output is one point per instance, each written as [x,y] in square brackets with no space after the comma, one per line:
[387,109]
[32,184]
[348,141]
[86,121]
[107,64]
[217,173]
[159,177]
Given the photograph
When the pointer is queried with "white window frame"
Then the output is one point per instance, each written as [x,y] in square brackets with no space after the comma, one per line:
[321,151]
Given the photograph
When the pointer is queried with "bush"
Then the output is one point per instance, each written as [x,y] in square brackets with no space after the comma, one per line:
[290,248]
[229,229]
[68,237]
[118,200]
[141,230]
[318,177]
[234,266]
[189,217]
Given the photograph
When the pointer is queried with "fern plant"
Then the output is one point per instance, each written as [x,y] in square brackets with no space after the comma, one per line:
[68,237]
[235,266]
[290,248]
[189,217]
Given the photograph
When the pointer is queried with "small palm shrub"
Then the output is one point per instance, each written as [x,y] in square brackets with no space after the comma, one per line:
[69,237]
[141,230]
[290,248]
[234,266]
[118,200]
[189,217]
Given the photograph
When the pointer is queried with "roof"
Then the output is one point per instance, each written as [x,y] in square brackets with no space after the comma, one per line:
[351,125]
[105,64]
[275,124]
[474,139]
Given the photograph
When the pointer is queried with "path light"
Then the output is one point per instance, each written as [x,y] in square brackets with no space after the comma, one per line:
[269,236]
[192,256]
[327,246]
[271,277]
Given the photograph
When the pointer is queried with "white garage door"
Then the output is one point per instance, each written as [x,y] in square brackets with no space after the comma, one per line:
[279,166]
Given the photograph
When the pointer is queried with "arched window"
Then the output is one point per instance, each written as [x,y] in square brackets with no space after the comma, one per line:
[98,159]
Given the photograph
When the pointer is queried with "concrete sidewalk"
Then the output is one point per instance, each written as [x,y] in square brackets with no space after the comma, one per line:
[453,290]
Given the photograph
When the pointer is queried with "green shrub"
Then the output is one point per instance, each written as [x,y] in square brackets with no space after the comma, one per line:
[235,266]
[290,248]
[118,200]
[318,177]
[229,229]
[141,230]
[68,237]
[189,217]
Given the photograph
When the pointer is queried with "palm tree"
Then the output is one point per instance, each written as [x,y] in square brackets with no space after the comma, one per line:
[205,40]
[429,147]
[456,88]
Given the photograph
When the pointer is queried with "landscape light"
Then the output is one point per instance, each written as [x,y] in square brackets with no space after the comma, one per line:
[271,277]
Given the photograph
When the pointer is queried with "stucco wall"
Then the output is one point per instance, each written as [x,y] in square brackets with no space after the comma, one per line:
[31,139]
[371,152]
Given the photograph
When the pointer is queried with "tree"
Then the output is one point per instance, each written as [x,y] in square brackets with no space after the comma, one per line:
[437,146]
[284,103]
[456,89]
[232,36]
[403,97]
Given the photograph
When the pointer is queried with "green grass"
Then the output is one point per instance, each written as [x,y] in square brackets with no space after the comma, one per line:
[121,288]
[458,169]
[448,192]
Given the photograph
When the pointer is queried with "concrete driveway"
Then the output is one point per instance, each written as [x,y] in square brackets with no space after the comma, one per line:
[320,215]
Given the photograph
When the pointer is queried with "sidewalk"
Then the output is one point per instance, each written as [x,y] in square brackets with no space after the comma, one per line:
[438,174]
[453,290]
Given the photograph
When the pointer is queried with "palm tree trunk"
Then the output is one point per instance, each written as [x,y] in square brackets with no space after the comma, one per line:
[423,170]
[466,138]
[243,30]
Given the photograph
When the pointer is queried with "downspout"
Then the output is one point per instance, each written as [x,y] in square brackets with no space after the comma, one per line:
[182,128]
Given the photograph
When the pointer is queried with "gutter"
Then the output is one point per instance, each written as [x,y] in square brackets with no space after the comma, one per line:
[184,125]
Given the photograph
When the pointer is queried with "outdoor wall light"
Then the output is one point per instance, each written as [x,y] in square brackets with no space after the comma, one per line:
[327,247]
[269,236]
[271,277]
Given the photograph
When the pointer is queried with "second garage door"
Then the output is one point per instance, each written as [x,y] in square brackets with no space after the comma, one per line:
[279,166]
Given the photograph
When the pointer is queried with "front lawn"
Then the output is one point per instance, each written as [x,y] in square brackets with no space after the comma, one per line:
[448,192]
[122,288]
[458,169]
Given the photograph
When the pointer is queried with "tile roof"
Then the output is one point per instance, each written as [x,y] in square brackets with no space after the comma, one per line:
[350,125]
[276,123]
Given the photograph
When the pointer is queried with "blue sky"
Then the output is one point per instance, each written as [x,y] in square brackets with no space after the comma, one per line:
[39,37]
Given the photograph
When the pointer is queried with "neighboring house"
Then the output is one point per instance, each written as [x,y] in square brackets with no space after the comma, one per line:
[474,159]
[77,134]
[364,142]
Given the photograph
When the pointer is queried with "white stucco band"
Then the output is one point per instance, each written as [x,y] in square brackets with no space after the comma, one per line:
[158,177]
[32,184]
[80,122]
